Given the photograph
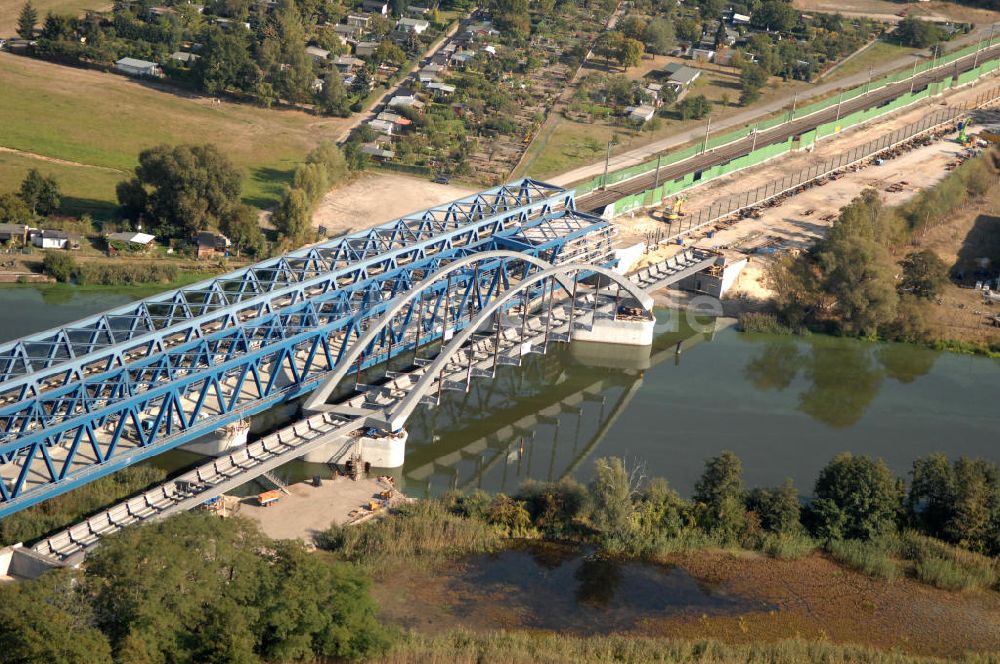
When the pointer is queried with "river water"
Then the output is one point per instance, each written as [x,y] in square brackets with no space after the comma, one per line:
[784,405]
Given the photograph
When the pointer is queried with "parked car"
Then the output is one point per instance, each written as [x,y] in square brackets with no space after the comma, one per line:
[441,180]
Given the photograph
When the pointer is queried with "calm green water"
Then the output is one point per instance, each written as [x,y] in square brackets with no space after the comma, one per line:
[566,589]
[785,405]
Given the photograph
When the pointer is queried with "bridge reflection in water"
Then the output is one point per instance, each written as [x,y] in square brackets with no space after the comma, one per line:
[544,420]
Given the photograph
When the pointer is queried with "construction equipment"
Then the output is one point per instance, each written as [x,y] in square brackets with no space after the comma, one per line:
[963,136]
[675,208]
[268,498]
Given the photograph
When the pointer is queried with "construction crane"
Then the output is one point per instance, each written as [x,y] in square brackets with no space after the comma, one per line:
[675,208]
[963,136]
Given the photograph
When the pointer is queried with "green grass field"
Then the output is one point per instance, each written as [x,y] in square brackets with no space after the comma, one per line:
[572,144]
[10,9]
[98,119]
[85,189]
[876,54]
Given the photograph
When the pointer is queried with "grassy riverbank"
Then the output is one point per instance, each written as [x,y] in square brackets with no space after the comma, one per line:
[863,529]
[466,647]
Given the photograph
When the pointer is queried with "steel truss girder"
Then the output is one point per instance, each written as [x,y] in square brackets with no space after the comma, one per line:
[102,341]
[129,399]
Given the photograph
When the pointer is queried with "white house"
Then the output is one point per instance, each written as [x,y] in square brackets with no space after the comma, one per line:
[359,20]
[374,150]
[382,126]
[440,89]
[415,25]
[50,239]
[376,7]
[140,239]
[318,54]
[641,114]
[741,19]
[185,58]
[134,67]
[347,31]
[346,62]
[365,48]
[406,101]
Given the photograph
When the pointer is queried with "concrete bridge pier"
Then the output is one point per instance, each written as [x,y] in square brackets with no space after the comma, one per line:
[382,449]
[625,330]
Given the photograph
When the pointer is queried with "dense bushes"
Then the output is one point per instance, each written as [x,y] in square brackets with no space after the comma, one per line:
[193,588]
[125,274]
[63,268]
[59,265]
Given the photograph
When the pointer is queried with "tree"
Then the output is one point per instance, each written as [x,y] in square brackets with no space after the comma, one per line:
[688,30]
[924,274]
[632,26]
[694,108]
[26,21]
[58,26]
[332,98]
[40,193]
[752,79]
[362,82]
[719,491]
[930,501]
[49,620]
[13,210]
[196,588]
[859,275]
[224,62]
[609,45]
[390,53]
[292,215]
[182,189]
[861,498]
[918,34]
[720,35]
[59,265]
[775,15]
[243,230]
[631,53]
[611,497]
[412,45]
[659,36]
[777,509]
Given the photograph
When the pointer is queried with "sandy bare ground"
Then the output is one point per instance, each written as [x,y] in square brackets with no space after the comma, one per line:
[377,197]
[310,510]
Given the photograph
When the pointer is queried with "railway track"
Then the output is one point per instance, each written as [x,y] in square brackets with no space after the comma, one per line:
[599,198]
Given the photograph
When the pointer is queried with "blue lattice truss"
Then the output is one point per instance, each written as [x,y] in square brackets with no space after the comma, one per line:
[85,400]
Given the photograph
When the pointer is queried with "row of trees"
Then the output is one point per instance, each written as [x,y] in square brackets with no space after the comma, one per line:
[192,589]
[848,281]
[855,499]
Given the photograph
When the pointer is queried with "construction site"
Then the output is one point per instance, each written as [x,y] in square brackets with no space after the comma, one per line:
[794,217]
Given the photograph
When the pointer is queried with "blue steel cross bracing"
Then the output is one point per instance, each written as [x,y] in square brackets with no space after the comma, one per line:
[270,332]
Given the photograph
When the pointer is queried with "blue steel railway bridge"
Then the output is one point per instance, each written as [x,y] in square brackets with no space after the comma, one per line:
[442,297]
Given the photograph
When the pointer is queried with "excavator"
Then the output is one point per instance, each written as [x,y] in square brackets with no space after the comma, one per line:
[675,209]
